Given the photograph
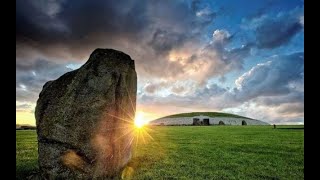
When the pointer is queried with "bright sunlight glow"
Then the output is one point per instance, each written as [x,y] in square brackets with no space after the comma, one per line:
[139,120]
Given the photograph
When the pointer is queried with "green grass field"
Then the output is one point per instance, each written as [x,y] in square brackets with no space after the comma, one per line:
[201,152]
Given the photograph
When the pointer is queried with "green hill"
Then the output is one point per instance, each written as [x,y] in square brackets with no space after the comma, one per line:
[210,114]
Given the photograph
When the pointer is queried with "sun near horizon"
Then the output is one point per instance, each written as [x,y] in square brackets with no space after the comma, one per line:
[140,120]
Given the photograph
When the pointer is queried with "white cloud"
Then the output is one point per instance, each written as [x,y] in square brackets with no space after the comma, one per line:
[204,12]
[280,75]
[25,106]
[23,87]
[271,91]
[49,7]
[301,20]
[73,66]
[271,114]
[252,72]
[220,35]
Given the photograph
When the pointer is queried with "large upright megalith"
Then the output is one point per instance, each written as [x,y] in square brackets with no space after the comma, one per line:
[85,119]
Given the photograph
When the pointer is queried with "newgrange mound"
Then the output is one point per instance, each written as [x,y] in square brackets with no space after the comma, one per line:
[206,119]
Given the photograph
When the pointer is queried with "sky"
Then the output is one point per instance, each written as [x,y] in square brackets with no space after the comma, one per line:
[235,56]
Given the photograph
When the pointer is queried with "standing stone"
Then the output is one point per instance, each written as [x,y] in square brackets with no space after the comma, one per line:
[85,119]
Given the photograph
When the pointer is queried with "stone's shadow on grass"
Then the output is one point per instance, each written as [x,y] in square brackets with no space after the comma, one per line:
[33,175]
[26,174]
[137,163]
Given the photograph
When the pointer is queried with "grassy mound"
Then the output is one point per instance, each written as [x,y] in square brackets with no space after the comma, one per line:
[210,114]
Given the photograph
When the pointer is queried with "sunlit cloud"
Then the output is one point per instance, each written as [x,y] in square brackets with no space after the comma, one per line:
[189,55]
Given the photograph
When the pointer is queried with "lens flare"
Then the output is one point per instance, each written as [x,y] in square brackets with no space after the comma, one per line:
[139,121]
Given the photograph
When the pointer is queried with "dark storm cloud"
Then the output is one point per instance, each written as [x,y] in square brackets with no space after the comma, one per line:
[147,30]
[164,41]
[76,25]
[34,22]
[30,78]
[274,33]
[128,24]
[79,18]
[274,30]
[264,9]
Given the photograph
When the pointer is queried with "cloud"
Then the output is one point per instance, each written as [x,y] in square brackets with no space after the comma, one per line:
[203,11]
[50,8]
[71,33]
[221,60]
[271,114]
[210,97]
[177,48]
[220,36]
[272,77]
[31,76]
[274,30]
[152,88]
[292,97]
[191,59]
[25,107]
[163,37]
[301,20]
[272,91]
[178,89]
[164,41]
[167,87]
[150,31]
[72,29]
[100,16]
[276,33]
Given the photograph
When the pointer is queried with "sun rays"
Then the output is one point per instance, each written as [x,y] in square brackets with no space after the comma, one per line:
[134,125]
[139,120]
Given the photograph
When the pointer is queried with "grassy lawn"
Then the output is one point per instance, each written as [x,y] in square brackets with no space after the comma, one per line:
[26,153]
[201,152]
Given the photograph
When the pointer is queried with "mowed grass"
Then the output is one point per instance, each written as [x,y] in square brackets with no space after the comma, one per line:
[26,153]
[202,152]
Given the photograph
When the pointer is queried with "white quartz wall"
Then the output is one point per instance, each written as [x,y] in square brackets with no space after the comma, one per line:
[212,121]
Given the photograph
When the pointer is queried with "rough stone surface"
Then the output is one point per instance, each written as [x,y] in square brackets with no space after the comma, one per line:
[212,121]
[85,119]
